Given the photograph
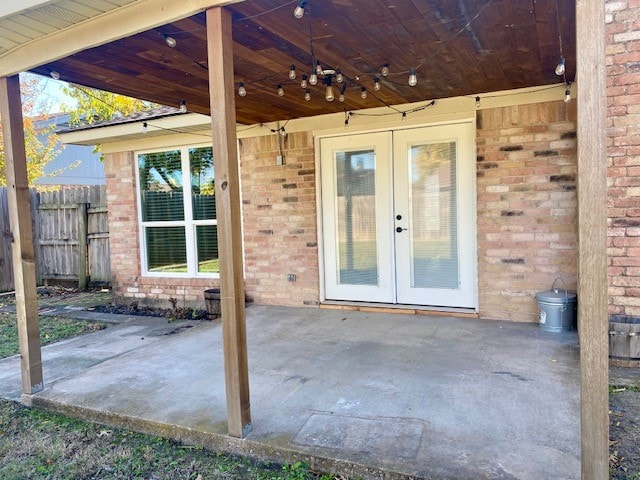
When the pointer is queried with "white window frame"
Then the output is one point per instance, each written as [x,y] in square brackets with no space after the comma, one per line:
[189,224]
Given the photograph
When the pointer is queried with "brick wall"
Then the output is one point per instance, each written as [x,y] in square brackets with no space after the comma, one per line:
[623,156]
[527,207]
[279,220]
[526,216]
[128,284]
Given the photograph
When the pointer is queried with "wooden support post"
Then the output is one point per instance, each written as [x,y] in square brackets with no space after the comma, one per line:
[227,188]
[82,246]
[24,266]
[592,236]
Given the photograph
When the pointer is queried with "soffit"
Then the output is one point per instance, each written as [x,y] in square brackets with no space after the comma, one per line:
[45,18]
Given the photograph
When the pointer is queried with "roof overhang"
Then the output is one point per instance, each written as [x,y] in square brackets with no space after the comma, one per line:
[129,19]
[460,48]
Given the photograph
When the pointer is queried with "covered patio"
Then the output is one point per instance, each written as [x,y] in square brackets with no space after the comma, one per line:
[351,392]
[201,52]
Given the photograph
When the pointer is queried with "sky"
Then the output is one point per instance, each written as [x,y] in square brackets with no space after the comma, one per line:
[52,95]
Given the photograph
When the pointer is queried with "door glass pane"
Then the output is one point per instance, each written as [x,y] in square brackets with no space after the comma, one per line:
[202,191]
[161,186]
[356,217]
[166,249]
[433,222]
[207,248]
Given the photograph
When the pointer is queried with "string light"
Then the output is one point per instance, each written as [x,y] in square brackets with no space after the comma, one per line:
[385,70]
[313,78]
[363,93]
[376,84]
[477,102]
[292,72]
[307,95]
[241,90]
[413,79]
[567,94]
[54,74]
[280,90]
[170,41]
[183,106]
[319,70]
[341,97]
[145,127]
[329,96]
[299,10]
[303,83]
[560,69]
[339,77]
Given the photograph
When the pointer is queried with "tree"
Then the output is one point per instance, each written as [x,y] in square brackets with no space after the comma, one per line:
[97,105]
[41,145]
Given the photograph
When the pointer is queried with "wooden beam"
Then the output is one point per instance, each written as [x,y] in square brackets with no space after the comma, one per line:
[592,235]
[122,22]
[23,256]
[227,187]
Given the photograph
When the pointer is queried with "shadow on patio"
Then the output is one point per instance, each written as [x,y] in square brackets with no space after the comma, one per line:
[351,392]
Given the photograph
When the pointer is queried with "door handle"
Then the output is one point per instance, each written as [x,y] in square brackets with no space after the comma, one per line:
[400,229]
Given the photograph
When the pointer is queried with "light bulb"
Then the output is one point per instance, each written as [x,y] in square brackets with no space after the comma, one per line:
[413,79]
[55,75]
[339,77]
[363,93]
[385,70]
[280,91]
[307,95]
[341,97]
[560,69]
[299,11]
[567,95]
[404,116]
[303,83]
[313,79]
[242,91]
[292,72]
[477,102]
[183,106]
[170,41]
[145,127]
[329,94]
[318,69]
[376,84]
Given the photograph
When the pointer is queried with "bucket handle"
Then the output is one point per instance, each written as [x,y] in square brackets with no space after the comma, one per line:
[566,292]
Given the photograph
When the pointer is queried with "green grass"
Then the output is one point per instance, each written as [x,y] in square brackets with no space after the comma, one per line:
[52,329]
[40,445]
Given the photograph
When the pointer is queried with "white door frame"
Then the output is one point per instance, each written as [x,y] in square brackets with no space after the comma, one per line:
[319,135]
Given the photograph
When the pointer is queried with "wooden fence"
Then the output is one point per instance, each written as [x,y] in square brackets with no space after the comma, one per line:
[71,237]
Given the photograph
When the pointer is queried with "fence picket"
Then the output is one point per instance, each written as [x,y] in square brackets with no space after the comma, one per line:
[55,231]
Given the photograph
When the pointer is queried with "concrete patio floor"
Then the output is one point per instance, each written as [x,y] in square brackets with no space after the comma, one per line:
[371,394]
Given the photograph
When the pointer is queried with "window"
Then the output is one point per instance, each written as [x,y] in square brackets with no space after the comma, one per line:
[178,213]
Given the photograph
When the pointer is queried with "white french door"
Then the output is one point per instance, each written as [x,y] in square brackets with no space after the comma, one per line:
[399,216]
[358,238]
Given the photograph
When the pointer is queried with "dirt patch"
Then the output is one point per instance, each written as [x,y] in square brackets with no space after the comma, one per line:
[624,420]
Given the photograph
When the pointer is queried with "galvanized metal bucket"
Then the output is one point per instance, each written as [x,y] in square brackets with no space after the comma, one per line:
[557,309]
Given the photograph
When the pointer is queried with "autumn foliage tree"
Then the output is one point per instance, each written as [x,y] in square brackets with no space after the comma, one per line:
[41,144]
[94,105]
